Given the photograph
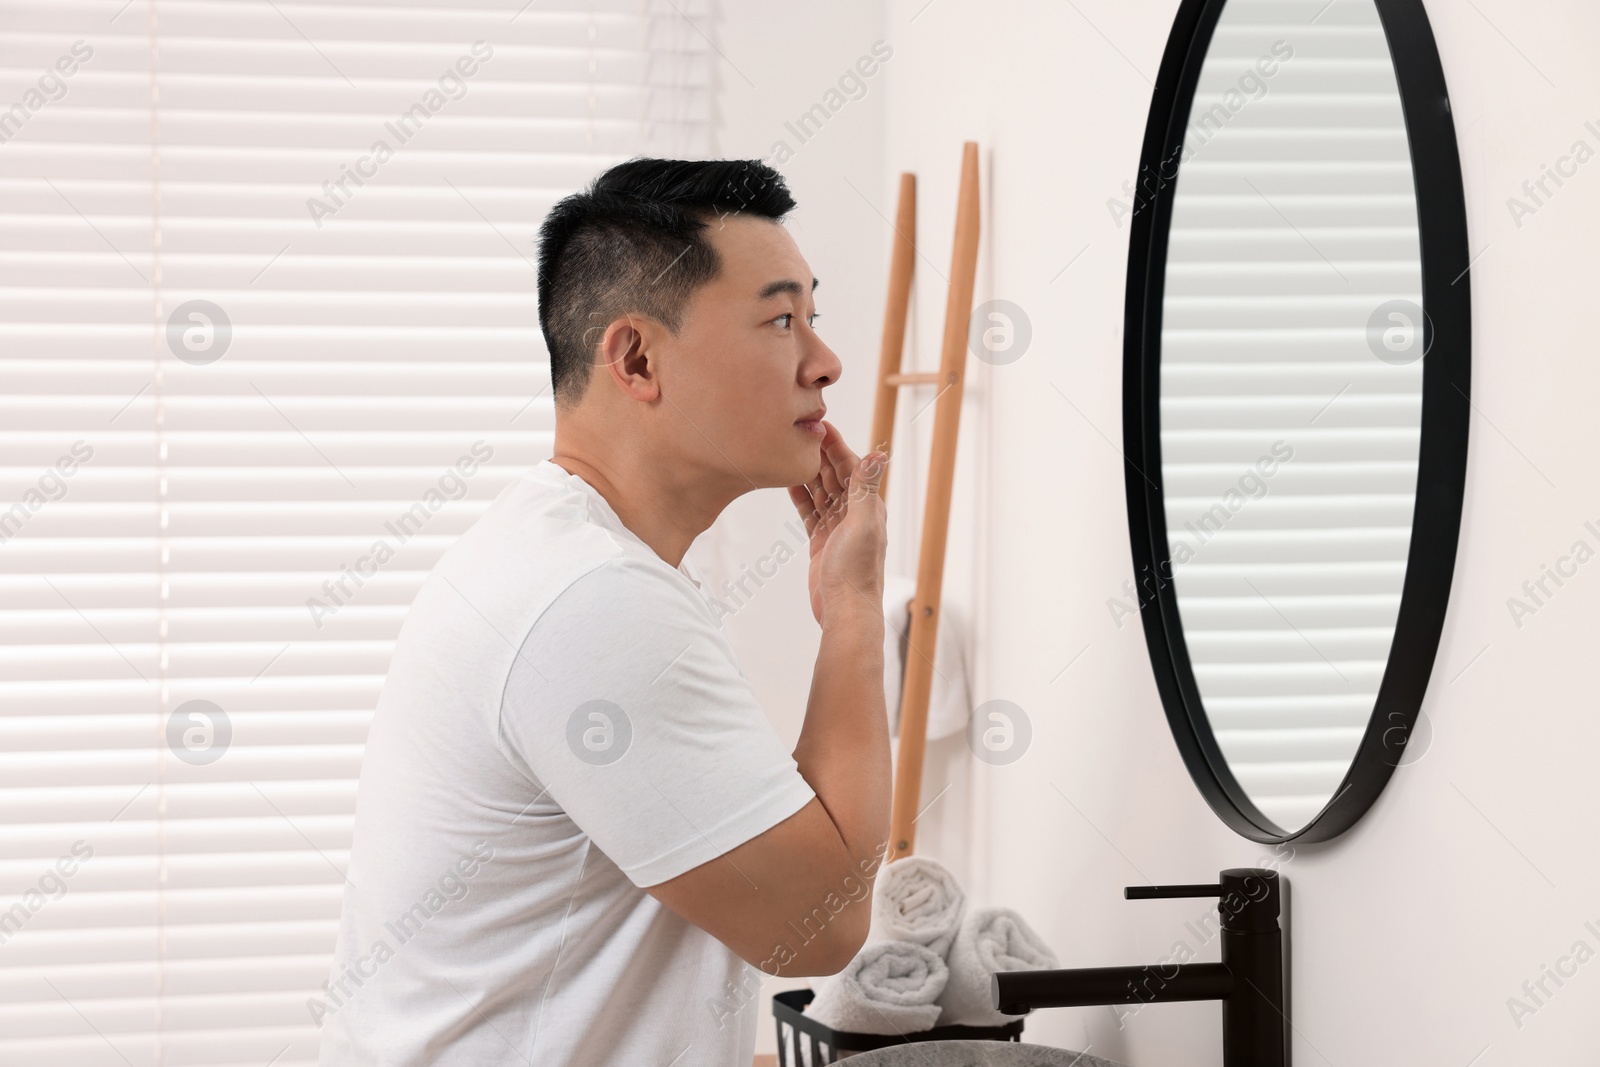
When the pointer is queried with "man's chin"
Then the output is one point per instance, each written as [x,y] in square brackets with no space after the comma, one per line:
[806,467]
[801,461]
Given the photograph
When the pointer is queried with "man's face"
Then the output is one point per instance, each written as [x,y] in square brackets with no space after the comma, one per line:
[746,363]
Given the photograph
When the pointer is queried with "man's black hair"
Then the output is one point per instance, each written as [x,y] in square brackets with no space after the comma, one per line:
[634,242]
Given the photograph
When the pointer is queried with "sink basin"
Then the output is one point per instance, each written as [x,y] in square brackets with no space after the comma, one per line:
[975,1054]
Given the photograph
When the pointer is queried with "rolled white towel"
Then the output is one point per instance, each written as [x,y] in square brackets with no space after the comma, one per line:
[916,899]
[890,987]
[990,939]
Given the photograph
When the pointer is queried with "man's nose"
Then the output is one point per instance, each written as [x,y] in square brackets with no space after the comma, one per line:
[823,364]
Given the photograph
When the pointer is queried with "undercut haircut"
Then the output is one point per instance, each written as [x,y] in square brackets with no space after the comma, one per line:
[634,242]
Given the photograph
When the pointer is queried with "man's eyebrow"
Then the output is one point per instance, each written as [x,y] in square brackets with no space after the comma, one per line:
[785,285]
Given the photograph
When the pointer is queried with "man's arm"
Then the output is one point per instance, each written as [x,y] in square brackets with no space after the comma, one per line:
[796,900]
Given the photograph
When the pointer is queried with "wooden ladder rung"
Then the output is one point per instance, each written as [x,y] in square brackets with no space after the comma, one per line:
[930,377]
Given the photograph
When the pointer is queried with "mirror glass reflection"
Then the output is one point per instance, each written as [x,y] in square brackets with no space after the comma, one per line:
[1291,389]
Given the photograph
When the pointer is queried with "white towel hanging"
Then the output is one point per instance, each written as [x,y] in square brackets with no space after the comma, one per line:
[950,699]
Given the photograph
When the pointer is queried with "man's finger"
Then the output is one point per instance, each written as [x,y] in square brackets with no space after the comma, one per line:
[831,482]
[819,495]
[838,454]
[869,475]
[801,497]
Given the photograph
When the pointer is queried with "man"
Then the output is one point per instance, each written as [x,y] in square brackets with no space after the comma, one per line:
[577,834]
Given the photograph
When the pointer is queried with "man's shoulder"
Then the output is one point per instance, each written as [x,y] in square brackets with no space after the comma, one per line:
[527,548]
[531,532]
[627,594]
[532,549]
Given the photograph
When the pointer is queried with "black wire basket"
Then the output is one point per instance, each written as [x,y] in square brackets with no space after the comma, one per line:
[827,1045]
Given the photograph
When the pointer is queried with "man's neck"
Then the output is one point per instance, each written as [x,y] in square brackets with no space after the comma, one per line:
[663,514]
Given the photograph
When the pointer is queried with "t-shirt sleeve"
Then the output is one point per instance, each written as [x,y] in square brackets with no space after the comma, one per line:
[626,703]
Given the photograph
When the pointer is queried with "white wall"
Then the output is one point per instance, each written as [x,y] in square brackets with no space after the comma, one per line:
[1476,867]
[1410,932]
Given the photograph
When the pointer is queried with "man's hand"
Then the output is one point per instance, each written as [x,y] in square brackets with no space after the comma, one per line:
[845,520]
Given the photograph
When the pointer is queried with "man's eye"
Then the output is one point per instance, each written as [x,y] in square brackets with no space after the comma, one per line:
[787,318]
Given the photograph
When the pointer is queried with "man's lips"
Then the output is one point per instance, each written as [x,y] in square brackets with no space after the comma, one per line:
[812,423]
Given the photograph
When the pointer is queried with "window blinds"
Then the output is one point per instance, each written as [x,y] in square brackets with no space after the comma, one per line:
[270,343]
[1289,441]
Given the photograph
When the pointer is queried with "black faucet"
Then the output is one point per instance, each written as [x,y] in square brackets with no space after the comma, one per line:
[1248,981]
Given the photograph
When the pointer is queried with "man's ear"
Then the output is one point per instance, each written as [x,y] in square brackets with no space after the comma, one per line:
[628,352]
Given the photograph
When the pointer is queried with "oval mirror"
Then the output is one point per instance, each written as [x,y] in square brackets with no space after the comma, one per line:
[1296,380]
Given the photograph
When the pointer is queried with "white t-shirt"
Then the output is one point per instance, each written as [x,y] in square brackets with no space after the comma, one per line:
[563,722]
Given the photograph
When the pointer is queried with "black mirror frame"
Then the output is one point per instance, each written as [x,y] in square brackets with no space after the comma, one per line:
[1442,454]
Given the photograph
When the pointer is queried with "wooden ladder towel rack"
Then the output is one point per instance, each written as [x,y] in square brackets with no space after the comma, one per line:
[917,684]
